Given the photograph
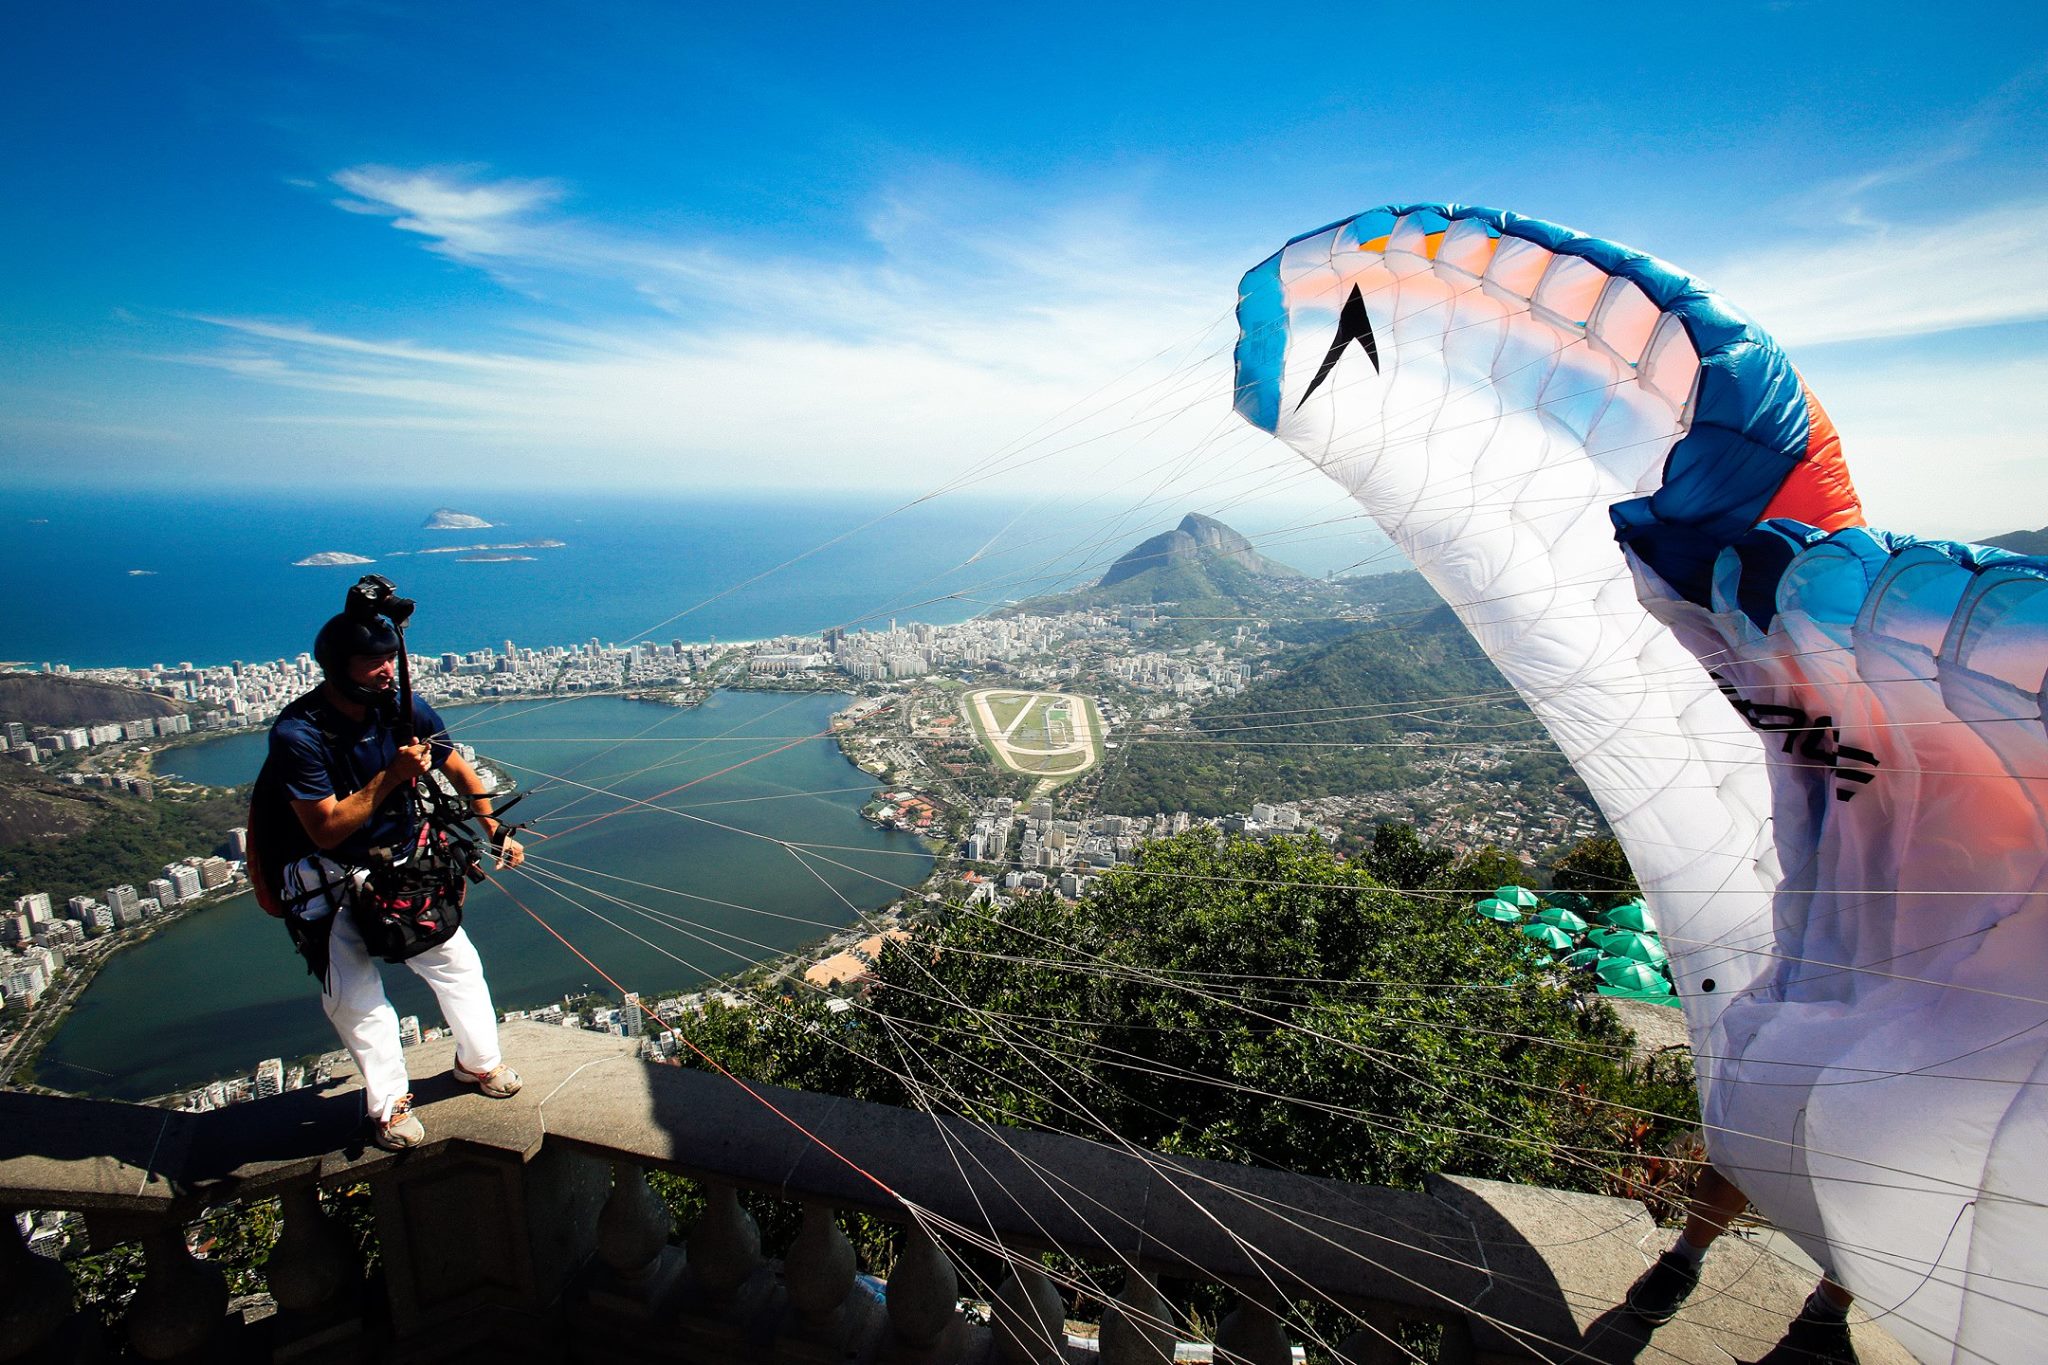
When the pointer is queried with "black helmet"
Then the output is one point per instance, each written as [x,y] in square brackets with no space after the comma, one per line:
[343,638]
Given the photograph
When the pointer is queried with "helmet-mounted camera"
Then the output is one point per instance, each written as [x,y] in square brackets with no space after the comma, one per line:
[373,596]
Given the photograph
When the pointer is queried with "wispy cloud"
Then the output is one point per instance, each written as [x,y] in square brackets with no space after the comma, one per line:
[940,328]
[1902,277]
[461,214]
[1893,249]
[953,318]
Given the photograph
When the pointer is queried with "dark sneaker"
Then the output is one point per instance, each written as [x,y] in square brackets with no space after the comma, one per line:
[1817,1341]
[1655,1298]
[402,1130]
[501,1082]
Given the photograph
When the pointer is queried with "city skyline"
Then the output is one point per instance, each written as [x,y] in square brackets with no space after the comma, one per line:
[656,248]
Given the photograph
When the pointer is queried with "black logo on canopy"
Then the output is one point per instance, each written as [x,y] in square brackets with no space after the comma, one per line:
[1352,325]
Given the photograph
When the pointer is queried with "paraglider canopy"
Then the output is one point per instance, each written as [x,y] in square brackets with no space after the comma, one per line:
[1819,745]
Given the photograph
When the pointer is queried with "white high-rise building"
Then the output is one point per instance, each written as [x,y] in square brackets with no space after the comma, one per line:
[35,905]
[409,1031]
[184,880]
[161,888]
[269,1077]
[631,1016]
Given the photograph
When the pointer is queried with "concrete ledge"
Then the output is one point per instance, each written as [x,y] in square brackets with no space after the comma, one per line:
[1536,1272]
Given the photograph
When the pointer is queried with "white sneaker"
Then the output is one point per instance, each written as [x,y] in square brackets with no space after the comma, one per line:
[402,1130]
[500,1082]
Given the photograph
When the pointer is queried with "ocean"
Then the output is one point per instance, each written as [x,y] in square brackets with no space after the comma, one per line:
[102,579]
[699,883]
[106,579]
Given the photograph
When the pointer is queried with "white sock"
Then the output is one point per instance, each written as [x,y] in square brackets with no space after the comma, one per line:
[1691,1253]
[1821,1309]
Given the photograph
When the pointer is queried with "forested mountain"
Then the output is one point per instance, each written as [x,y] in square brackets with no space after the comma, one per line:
[1198,543]
[1208,572]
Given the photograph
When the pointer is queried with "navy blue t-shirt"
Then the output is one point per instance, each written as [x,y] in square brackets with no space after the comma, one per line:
[318,752]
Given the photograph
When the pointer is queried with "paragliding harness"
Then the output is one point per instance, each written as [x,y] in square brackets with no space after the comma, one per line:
[407,897]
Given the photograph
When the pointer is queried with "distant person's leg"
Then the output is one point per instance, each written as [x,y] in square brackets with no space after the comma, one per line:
[1715,1203]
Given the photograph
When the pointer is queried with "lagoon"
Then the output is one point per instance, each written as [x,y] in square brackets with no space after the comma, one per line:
[672,846]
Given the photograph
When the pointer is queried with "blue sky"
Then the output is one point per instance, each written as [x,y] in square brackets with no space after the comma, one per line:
[865,246]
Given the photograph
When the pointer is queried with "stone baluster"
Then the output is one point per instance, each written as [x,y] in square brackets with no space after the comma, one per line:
[1373,1341]
[1253,1334]
[1029,1317]
[1138,1326]
[182,1303]
[35,1294]
[924,1291]
[725,1245]
[818,1272]
[1456,1348]
[632,1228]
[313,1269]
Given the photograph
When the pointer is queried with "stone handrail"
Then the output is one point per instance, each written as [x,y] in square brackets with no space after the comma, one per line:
[528,1225]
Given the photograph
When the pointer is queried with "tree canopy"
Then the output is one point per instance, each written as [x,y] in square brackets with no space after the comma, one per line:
[1253,1002]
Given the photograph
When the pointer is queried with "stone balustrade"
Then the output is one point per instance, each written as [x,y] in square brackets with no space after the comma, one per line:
[526,1230]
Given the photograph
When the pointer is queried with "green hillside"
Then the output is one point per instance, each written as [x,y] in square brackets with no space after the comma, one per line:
[1335,722]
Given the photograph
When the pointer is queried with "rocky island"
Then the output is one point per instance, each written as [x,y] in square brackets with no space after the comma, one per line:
[448,519]
[329,558]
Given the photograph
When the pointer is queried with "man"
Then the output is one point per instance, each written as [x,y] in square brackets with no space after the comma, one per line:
[1821,1331]
[339,759]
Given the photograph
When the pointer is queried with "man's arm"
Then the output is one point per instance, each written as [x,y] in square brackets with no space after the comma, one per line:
[331,819]
[471,788]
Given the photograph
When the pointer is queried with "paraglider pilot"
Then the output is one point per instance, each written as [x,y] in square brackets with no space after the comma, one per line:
[366,873]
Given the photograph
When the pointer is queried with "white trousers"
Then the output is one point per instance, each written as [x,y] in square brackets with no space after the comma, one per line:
[353,993]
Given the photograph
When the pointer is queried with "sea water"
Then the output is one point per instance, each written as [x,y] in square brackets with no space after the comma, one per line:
[106,579]
[670,846]
[98,579]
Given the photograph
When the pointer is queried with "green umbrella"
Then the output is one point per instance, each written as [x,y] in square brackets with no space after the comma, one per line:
[1657,997]
[1521,897]
[1562,918]
[1641,947]
[1633,915]
[1633,976]
[1583,960]
[1490,908]
[1549,935]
